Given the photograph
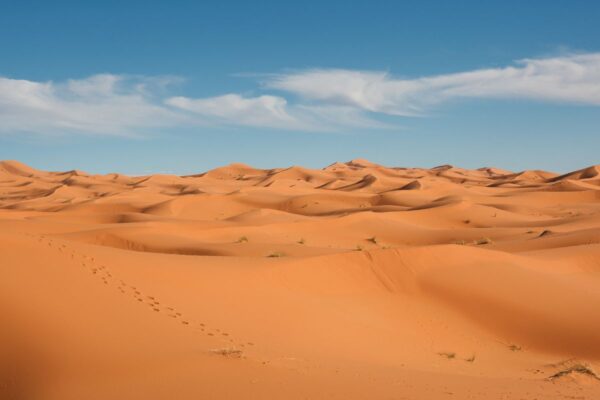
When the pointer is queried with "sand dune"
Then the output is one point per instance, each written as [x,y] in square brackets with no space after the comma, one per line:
[355,281]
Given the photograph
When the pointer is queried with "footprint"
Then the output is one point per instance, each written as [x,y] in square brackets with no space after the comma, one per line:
[149,300]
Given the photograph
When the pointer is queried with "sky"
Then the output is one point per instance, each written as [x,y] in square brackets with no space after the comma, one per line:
[180,87]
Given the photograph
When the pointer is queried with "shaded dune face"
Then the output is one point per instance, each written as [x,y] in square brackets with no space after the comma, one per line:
[356,280]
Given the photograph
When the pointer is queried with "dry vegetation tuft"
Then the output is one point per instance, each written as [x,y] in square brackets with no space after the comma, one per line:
[448,355]
[575,369]
[228,352]
[372,240]
[483,241]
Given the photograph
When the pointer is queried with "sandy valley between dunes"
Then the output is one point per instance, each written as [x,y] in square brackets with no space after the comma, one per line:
[356,281]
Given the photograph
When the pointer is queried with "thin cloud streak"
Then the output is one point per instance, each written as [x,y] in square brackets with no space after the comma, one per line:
[569,79]
[312,100]
[101,104]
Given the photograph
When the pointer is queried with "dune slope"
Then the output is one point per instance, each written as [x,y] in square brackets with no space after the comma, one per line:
[356,281]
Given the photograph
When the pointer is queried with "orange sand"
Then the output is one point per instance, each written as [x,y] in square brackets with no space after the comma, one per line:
[356,281]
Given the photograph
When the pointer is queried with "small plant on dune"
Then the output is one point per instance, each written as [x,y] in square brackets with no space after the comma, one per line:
[227,352]
[448,355]
[242,239]
[514,347]
[301,241]
[275,254]
[358,248]
[575,369]
[470,359]
[467,221]
[372,240]
[461,242]
[483,241]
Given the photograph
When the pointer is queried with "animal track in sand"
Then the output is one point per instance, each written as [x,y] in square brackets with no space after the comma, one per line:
[107,278]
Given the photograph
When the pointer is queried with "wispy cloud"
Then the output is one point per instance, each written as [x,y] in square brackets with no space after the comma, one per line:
[102,104]
[311,100]
[272,112]
[568,79]
[266,111]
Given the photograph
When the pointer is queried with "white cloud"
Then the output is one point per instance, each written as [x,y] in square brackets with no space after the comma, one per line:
[273,112]
[569,79]
[313,100]
[101,104]
[267,111]
[128,106]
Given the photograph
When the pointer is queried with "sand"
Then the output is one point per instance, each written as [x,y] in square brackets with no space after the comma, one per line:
[356,281]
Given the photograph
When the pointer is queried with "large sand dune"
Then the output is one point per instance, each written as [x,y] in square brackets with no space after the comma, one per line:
[357,281]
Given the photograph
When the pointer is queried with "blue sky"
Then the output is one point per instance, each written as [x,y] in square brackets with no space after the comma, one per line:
[182,87]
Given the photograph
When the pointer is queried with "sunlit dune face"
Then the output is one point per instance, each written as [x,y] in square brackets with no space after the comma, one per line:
[353,281]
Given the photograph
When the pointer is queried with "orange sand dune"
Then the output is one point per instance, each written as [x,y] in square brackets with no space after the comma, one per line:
[356,281]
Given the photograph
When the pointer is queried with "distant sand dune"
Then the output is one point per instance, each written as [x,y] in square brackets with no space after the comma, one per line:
[355,281]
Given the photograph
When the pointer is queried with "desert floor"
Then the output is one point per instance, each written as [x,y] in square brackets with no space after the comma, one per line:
[356,281]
